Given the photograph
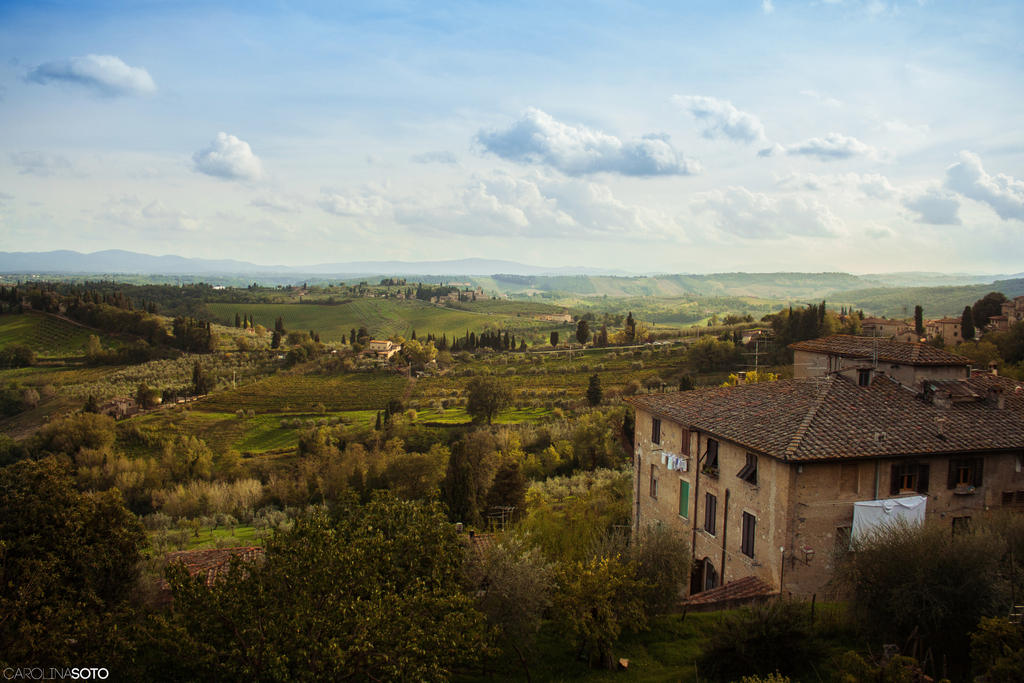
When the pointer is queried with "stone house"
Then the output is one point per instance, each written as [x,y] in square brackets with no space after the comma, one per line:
[764,479]
[883,327]
[383,348]
[907,363]
[1012,313]
[947,328]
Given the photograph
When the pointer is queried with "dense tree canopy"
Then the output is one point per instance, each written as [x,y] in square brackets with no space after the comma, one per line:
[68,561]
[371,593]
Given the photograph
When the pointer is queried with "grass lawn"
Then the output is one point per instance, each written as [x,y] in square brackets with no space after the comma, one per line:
[210,538]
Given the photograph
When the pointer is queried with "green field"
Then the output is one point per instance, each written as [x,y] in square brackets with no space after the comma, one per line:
[47,335]
[385,317]
[309,393]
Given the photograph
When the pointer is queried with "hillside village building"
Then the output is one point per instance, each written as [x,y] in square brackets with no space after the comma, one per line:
[768,480]
[384,348]
[1012,313]
[883,327]
[947,328]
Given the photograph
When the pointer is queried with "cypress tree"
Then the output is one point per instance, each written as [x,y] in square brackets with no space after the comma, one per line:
[967,324]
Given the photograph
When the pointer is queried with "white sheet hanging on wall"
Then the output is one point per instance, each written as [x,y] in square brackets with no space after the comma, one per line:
[872,514]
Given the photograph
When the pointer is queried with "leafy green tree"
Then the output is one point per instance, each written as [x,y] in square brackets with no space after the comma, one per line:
[68,561]
[775,636]
[594,393]
[596,600]
[378,599]
[918,321]
[146,396]
[17,356]
[905,579]
[662,557]
[967,324]
[997,651]
[485,397]
[987,306]
[687,383]
[202,383]
[508,488]
[583,332]
[630,328]
[514,584]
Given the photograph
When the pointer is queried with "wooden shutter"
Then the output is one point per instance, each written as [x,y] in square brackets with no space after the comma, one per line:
[894,480]
[684,498]
[954,465]
[922,478]
[978,471]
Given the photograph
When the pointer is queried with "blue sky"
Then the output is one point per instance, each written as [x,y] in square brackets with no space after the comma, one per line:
[842,135]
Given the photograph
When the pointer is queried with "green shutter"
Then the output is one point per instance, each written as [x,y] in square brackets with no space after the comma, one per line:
[684,498]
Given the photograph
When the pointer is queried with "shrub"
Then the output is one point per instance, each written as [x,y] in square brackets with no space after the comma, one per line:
[906,579]
[772,637]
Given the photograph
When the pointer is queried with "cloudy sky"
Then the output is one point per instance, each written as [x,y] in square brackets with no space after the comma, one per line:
[683,137]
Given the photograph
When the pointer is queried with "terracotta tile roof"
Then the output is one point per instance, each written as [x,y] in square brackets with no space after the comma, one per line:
[747,588]
[213,561]
[832,417]
[906,353]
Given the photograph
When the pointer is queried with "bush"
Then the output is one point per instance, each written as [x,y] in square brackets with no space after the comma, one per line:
[917,579]
[773,637]
[662,556]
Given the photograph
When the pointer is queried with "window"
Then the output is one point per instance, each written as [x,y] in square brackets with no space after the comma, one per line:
[908,476]
[654,481]
[686,441]
[710,508]
[961,525]
[749,471]
[864,378]
[655,430]
[684,498]
[964,472]
[747,543]
[711,458]
[1014,498]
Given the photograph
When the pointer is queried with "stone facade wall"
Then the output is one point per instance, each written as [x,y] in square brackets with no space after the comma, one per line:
[805,508]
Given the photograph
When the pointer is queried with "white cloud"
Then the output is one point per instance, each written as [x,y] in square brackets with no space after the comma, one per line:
[1003,193]
[537,138]
[439,157]
[873,185]
[150,216]
[767,6]
[105,74]
[832,147]
[934,207]
[42,164]
[721,119]
[753,215]
[230,158]
[539,207]
[276,204]
[366,202]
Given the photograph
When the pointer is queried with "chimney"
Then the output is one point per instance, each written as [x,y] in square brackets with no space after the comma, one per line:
[996,398]
[993,367]
[940,427]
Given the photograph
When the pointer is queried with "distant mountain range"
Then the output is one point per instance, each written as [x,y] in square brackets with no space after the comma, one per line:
[117,261]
